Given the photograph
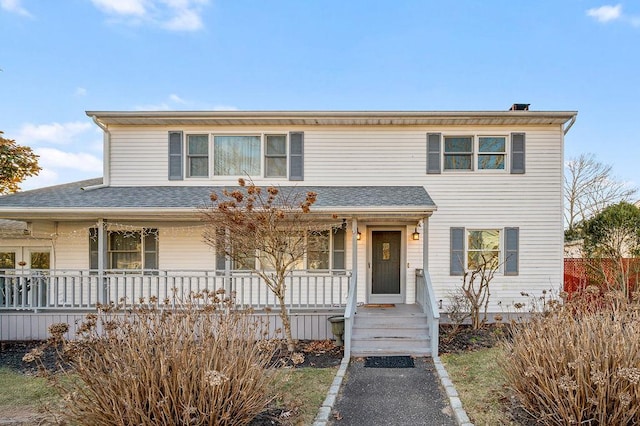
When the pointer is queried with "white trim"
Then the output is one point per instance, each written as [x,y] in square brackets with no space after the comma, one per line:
[402,296]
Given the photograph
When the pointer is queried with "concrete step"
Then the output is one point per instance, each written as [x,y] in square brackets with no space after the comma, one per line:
[379,347]
[390,333]
[391,322]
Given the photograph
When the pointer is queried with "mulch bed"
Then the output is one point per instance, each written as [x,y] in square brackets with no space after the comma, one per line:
[317,354]
[467,339]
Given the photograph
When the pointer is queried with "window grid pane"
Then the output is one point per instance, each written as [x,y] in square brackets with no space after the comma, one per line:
[458,153]
[236,155]
[483,246]
[491,153]
[8,260]
[198,155]
[125,250]
[276,156]
[318,250]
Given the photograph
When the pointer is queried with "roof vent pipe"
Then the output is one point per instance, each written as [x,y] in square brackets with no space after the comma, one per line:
[519,107]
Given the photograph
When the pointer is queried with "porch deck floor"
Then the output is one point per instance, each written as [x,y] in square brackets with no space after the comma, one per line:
[402,309]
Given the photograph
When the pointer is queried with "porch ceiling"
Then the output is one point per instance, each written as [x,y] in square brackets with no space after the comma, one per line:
[72,201]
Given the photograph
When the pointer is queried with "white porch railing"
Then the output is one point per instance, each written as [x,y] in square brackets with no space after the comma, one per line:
[82,289]
[426,298]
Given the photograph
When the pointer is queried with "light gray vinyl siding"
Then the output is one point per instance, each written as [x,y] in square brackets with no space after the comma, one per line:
[387,155]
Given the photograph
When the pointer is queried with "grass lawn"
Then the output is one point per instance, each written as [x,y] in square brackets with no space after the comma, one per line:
[302,393]
[479,382]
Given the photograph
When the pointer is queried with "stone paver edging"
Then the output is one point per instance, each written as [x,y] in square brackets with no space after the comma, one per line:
[327,406]
[454,400]
[452,394]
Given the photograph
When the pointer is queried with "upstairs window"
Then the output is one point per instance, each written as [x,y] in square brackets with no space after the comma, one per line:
[198,156]
[468,153]
[491,152]
[458,153]
[259,155]
[236,155]
[275,161]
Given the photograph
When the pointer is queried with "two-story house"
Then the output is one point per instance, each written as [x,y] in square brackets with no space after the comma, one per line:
[422,196]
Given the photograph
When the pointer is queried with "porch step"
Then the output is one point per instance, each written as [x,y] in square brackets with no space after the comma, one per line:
[390,333]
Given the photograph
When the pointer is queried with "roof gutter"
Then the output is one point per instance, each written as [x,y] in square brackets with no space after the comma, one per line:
[106,154]
[568,126]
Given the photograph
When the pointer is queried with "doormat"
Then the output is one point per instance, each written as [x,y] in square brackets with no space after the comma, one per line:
[380,305]
[389,362]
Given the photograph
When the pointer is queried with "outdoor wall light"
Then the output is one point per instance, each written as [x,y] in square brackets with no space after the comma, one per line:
[415,235]
[359,235]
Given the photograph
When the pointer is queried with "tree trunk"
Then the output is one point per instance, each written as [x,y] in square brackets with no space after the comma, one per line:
[286,324]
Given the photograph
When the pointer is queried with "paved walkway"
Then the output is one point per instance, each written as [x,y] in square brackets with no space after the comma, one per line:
[392,396]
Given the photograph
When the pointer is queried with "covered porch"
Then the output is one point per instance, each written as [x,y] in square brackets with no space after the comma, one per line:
[382,258]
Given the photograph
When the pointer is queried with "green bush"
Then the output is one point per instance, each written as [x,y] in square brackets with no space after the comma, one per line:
[574,364]
[200,363]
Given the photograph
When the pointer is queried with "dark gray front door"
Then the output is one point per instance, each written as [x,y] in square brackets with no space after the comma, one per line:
[385,265]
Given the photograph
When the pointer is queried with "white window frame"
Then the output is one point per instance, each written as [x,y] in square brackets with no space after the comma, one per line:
[500,250]
[187,157]
[211,154]
[265,136]
[475,154]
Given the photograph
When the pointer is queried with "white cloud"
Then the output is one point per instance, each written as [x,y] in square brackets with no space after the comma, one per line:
[177,99]
[15,6]
[122,7]
[52,159]
[184,20]
[55,132]
[46,177]
[173,15]
[606,13]
[80,91]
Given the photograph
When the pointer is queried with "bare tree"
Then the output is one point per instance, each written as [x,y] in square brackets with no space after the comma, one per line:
[475,288]
[266,230]
[589,187]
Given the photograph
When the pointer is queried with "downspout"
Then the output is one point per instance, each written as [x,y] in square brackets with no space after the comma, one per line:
[106,155]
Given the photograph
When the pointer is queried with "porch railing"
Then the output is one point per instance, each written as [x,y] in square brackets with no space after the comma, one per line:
[426,298]
[82,289]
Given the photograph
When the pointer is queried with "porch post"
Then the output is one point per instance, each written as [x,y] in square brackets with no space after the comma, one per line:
[425,243]
[354,254]
[353,284]
[103,288]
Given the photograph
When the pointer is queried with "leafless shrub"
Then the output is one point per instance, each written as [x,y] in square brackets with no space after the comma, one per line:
[200,363]
[574,364]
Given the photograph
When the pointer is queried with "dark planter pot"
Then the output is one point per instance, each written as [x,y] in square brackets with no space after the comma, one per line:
[337,328]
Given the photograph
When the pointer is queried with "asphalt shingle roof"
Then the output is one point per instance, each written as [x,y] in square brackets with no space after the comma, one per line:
[72,195]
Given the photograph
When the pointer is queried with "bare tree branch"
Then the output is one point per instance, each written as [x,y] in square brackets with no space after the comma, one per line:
[589,187]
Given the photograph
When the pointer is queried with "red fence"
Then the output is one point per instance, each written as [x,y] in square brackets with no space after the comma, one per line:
[579,273]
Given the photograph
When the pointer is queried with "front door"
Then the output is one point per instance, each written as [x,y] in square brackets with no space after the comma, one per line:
[386,256]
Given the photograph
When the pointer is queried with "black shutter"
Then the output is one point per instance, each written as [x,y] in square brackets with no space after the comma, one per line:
[517,153]
[296,156]
[175,156]
[433,153]
[457,251]
[339,236]
[511,242]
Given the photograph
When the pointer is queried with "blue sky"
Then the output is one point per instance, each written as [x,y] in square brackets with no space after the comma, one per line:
[60,58]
